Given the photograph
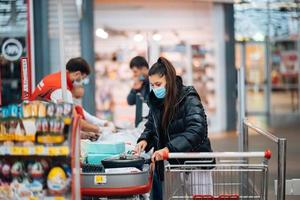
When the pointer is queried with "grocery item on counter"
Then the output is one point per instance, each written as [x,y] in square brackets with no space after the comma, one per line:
[104,147]
[125,160]
[122,170]
[90,168]
[57,181]
[96,158]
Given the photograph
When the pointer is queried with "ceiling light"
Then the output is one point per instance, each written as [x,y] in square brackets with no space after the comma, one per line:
[156,37]
[259,37]
[101,33]
[138,37]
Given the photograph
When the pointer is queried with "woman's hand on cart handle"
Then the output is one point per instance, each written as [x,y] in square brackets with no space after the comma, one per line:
[160,154]
[140,147]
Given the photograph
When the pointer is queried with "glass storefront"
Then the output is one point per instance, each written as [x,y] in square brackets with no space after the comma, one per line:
[269,32]
[14,44]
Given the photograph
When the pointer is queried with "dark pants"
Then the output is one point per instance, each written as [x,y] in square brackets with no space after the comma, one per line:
[157,191]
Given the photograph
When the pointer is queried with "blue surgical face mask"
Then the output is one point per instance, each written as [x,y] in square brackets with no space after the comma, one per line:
[81,82]
[160,92]
[142,78]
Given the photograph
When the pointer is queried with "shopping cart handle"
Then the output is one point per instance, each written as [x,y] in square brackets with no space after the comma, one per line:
[190,155]
[165,155]
[268,154]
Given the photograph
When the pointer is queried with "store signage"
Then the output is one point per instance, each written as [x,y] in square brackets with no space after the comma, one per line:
[26,80]
[12,49]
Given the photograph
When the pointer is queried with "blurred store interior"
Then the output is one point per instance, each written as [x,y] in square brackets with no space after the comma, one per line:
[206,40]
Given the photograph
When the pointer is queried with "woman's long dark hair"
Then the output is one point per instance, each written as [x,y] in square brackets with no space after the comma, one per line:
[163,67]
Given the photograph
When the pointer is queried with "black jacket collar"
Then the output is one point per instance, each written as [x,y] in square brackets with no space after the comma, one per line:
[184,91]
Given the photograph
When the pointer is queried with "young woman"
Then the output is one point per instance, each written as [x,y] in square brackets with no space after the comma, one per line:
[176,121]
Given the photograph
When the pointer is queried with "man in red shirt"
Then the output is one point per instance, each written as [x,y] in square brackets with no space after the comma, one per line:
[49,89]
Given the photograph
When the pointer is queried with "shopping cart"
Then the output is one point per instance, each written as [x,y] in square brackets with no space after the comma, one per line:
[227,180]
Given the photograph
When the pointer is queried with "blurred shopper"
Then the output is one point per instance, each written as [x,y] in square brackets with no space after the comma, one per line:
[49,89]
[176,122]
[139,93]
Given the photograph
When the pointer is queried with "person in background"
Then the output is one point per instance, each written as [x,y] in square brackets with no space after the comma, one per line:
[176,122]
[49,89]
[140,90]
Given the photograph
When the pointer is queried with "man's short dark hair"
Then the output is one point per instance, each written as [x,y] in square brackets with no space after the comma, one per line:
[78,64]
[138,62]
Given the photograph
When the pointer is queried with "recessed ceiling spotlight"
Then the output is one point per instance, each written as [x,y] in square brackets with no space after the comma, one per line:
[101,33]
[138,37]
[156,37]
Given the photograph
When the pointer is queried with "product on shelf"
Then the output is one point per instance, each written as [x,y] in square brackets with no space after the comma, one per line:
[50,110]
[57,181]
[45,164]
[31,135]
[36,171]
[5,171]
[17,169]
[42,109]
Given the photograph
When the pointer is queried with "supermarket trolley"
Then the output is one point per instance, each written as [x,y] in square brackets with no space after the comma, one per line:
[227,180]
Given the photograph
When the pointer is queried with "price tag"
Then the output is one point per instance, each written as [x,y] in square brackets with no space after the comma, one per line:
[25,151]
[39,150]
[64,150]
[6,150]
[67,120]
[98,179]
[59,198]
[53,151]
[2,150]
[16,150]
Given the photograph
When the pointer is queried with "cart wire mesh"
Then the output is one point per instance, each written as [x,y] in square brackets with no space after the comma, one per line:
[228,181]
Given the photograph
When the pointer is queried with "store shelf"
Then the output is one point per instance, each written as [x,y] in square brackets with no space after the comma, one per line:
[54,198]
[37,150]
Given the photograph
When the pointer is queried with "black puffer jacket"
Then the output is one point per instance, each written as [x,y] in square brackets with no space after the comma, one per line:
[187,131]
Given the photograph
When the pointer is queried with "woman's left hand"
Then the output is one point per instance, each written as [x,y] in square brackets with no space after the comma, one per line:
[159,154]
